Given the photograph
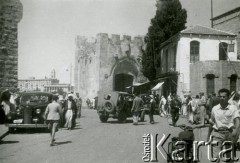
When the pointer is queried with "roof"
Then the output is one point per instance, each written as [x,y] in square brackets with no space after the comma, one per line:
[198,29]
[227,13]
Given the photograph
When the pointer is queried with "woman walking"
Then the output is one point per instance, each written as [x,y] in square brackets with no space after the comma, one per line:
[52,115]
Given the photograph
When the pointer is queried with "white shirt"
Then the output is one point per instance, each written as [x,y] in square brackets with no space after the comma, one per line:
[224,117]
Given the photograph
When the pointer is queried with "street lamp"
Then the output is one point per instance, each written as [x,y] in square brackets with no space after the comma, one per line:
[70,76]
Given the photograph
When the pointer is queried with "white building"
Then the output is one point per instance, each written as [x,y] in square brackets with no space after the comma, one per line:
[198,59]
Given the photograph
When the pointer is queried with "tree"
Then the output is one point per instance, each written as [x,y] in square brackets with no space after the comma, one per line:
[170,19]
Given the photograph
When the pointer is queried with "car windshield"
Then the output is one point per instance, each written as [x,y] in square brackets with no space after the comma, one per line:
[34,99]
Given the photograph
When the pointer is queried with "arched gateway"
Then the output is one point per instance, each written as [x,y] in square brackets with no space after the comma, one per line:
[124,74]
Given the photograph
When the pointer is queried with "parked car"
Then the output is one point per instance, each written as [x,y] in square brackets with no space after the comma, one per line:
[30,111]
[115,104]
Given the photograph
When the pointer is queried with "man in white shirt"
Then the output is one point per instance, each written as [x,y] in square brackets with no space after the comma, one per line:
[225,121]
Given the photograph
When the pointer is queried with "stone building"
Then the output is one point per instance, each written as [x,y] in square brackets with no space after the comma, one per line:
[106,64]
[198,59]
[230,22]
[10,15]
[33,84]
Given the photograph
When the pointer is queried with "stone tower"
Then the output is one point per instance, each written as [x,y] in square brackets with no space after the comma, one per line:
[107,64]
[10,15]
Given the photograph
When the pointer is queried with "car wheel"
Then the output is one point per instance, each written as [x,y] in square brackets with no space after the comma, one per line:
[103,118]
[108,107]
[122,117]
[142,116]
[11,130]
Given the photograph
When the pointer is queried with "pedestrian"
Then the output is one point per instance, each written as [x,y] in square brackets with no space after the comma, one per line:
[78,103]
[184,106]
[136,108]
[70,115]
[196,109]
[169,99]
[52,116]
[162,107]
[7,106]
[225,123]
[152,109]
[190,110]
[175,107]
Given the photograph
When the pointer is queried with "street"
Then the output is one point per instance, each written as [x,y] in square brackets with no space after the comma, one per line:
[91,141]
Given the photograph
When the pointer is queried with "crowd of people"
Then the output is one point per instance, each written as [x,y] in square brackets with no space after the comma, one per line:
[221,112]
[62,111]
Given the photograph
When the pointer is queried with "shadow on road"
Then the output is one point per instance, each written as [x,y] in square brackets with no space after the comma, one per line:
[63,142]
[117,122]
[29,131]
[8,142]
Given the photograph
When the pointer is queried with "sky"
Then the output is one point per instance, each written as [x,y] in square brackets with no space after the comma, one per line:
[48,29]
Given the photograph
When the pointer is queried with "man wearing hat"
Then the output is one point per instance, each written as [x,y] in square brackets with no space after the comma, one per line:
[70,108]
[152,108]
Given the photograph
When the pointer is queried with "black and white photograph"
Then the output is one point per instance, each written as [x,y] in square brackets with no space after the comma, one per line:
[119,81]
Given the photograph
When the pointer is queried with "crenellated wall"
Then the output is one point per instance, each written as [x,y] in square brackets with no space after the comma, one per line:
[10,15]
[98,60]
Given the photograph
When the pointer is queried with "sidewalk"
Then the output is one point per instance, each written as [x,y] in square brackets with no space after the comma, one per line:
[3,131]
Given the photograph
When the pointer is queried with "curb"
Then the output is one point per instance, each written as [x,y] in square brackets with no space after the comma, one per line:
[4,135]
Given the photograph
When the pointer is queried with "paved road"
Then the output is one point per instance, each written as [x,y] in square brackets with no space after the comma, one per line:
[90,142]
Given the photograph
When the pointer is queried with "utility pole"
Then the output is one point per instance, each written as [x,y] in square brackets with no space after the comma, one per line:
[71,77]
[211,13]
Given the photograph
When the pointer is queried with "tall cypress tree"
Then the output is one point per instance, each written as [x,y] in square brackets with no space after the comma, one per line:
[170,19]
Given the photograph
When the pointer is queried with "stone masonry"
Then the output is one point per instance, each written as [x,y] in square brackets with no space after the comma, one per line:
[99,60]
[222,70]
[10,15]
[230,22]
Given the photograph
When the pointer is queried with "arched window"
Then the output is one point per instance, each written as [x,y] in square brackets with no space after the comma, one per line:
[233,82]
[223,51]
[210,83]
[194,51]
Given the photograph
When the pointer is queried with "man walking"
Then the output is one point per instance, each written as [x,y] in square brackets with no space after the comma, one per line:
[175,106]
[79,105]
[225,121]
[52,115]
[136,107]
[152,108]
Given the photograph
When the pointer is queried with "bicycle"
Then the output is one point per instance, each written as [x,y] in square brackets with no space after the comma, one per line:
[183,150]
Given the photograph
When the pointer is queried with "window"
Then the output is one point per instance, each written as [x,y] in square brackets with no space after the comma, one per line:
[194,51]
[223,47]
[210,83]
[233,83]
[230,47]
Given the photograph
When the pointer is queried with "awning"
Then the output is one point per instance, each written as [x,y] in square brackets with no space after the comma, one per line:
[138,84]
[157,86]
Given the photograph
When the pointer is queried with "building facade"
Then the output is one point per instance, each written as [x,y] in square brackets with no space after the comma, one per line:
[198,59]
[33,84]
[230,22]
[60,88]
[107,64]
[10,15]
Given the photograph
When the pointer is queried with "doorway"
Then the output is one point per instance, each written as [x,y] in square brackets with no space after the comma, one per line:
[122,81]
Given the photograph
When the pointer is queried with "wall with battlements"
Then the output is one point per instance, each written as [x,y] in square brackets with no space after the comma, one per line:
[10,15]
[98,60]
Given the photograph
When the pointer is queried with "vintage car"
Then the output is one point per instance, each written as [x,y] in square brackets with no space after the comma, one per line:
[29,111]
[116,105]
